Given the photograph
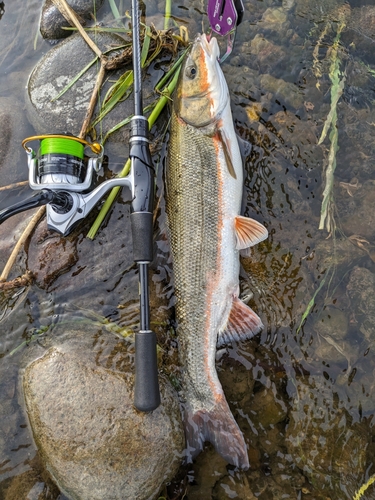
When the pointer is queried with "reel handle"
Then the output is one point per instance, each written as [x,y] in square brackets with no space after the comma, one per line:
[43,197]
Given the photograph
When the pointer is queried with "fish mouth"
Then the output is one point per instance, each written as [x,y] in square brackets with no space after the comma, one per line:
[210,46]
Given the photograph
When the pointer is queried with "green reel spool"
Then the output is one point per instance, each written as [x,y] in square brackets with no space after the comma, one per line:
[58,145]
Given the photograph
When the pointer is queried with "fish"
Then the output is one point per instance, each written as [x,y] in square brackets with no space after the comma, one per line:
[203,191]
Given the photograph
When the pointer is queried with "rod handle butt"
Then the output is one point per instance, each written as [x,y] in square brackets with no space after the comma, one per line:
[146,388]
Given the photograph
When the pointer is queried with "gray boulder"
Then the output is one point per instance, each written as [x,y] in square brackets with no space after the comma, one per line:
[93,441]
[52,21]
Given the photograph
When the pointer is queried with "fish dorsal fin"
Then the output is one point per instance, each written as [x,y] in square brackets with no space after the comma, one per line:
[249,232]
[225,141]
[242,324]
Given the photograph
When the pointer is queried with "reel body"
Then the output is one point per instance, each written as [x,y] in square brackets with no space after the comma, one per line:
[62,174]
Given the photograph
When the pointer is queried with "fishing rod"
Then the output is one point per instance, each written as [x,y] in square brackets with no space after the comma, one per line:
[62,170]
[146,388]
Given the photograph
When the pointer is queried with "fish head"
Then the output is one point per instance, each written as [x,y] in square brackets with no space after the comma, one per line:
[202,91]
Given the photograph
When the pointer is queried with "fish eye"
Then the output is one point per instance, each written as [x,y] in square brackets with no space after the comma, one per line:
[191,72]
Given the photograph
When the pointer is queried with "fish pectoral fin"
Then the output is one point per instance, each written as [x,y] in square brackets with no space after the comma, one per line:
[243,324]
[249,232]
[225,141]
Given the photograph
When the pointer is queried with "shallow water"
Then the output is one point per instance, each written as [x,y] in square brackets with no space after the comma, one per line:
[303,391]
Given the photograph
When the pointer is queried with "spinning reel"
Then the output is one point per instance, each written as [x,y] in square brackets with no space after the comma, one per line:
[62,172]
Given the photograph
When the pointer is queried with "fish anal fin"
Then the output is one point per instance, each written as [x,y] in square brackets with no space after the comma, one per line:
[243,323]
[225,141]
[249,232]
[218,427]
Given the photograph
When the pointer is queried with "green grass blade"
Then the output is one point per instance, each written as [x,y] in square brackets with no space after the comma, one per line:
[119,91]
[116,127]
[145,46]
[168,12]
[311,304]
[168,75]
[114,9]
[75,79]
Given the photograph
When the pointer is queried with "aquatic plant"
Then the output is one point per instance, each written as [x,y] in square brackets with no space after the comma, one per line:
[311,304]
[327,220]
[359,494]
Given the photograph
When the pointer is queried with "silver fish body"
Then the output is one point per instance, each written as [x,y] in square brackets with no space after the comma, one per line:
[204,183]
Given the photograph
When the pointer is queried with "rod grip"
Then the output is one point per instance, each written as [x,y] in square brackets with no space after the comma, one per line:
[146,387]
[142,233]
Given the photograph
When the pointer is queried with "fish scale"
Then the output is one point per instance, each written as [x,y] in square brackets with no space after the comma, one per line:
[193,219]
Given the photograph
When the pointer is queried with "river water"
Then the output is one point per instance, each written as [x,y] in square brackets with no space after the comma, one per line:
[302,85]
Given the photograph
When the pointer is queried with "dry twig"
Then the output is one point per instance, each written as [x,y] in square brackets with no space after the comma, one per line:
[29,229]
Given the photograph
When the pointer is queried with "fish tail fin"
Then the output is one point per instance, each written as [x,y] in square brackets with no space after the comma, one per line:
[218,427]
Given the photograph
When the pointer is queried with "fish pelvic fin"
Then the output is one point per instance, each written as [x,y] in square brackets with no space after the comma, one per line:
[218,427]
[249,232]
[243,323]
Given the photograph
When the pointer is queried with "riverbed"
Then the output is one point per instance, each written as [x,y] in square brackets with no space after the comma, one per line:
[301,80]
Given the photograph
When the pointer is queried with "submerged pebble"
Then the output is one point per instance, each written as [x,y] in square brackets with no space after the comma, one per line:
[330,456]
[286,91]
[267,53]
[275,19]
[344,256]
[332,323]
[359,218]
[361,288]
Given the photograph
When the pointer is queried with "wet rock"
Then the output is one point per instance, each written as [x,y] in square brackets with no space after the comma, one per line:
[267,54]
[359,218]
[361,288]
[332,323]
[342,257]
[275,19]
[102,270]
[79,398]
[52,21]
[288,4]
[50,255]
[293,129]
[34,484]
[13,160]
[271,486]
[287,92]
[329,457]
[209,466]
[335,352]
[315,10]
[57,69]
[361,31]
[231,487]
[266,410]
